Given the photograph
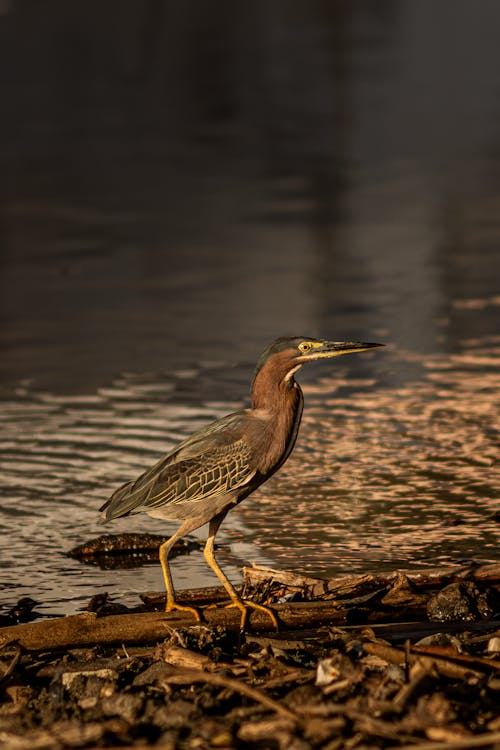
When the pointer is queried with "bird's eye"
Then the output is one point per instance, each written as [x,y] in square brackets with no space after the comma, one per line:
[304,347]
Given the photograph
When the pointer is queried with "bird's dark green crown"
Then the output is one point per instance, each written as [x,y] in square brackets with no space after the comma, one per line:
[281,345]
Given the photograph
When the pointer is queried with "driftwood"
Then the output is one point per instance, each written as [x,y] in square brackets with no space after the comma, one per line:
[147,627]
[194,597]
[452,665]
[306,620]
[358,585]
[485,740]
[286,583]
[373,600]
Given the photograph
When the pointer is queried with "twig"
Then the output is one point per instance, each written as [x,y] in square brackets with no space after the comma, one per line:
[482,740]
[12,664]
[443,666]
[183,676]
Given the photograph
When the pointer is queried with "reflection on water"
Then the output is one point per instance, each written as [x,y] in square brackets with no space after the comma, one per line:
[391,476]
[382,476]
[62,456]
[181,186]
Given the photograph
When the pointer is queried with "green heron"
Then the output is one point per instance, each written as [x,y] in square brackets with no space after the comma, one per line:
[222,464]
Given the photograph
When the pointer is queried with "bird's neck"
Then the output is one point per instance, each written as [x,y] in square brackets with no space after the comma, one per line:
[275,398]
[274,388]
[279,406]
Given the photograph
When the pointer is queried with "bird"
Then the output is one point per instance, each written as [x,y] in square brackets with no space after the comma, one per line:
[216,468]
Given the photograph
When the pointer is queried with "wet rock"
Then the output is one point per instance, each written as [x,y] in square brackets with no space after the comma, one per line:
[458,601]
[103,606]
[111,551]
[113,608]
[20,612]
[463,601]
[23,610]
[97,601]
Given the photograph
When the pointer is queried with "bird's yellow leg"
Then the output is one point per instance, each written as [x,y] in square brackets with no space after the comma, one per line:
[171,604]
[242,604]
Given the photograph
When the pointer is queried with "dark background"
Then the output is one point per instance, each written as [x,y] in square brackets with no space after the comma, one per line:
[184,181]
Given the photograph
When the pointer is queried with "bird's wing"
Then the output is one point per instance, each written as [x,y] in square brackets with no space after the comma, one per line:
[214,461]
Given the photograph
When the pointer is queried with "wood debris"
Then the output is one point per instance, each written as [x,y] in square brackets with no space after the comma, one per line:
[328,679]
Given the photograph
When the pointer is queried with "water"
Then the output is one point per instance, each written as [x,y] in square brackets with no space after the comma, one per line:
[336,183]
[382,477]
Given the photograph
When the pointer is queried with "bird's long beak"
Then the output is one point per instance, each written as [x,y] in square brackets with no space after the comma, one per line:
[325,349]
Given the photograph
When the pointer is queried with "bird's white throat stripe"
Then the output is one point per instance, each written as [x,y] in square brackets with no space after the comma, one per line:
[290,374]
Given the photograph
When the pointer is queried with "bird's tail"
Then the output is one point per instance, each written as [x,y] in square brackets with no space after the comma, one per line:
[114,507]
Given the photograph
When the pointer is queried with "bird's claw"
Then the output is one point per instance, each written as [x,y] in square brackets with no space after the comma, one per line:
[172,606]
[245,604]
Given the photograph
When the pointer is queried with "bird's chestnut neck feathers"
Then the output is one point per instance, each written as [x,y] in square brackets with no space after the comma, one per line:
[273,383]
[277,403]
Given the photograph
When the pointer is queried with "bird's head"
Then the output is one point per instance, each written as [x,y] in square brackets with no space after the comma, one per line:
[288,353]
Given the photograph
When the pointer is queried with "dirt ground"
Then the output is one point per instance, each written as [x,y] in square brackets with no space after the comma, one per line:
[431,682]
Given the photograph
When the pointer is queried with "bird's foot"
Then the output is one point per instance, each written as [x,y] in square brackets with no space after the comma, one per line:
[172,605]
[245,604]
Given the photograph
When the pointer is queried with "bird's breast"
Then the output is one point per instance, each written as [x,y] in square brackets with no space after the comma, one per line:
[272,433]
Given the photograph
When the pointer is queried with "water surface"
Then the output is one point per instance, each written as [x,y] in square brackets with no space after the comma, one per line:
[382,477]
[181,187]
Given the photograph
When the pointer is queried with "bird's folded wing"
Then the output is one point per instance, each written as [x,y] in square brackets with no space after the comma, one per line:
[184,478]
[216,472]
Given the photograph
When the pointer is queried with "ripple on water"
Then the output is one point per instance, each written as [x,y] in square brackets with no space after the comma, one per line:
[392,475]
[381,477]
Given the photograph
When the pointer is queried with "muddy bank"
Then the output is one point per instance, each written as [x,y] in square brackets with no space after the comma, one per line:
[145,678]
